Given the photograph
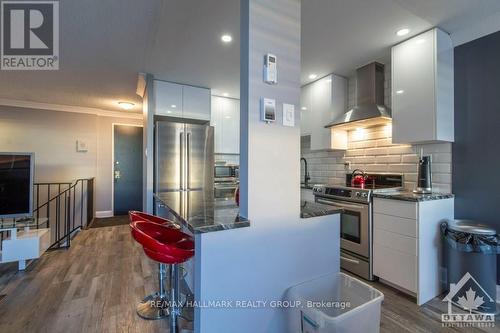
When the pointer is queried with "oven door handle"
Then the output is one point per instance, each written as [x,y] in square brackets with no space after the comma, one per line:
[350,260]
[342,205]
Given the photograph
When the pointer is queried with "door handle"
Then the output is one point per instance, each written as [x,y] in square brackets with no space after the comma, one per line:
[350,260]
[181,158]
[342,205]
[188,160]
[116,172]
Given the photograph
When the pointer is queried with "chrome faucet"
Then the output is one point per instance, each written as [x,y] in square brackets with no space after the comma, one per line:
[307,178]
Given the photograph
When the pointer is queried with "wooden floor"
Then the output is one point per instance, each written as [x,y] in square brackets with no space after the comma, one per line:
[95,285]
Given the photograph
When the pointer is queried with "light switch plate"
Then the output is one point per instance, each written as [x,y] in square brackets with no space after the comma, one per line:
[288,115]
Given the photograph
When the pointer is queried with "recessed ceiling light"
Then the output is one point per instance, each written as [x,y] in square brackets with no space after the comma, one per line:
[303,108]
[313,76]
[126,105]
[225,94]
[399,92]
[403,32]
[173,106]
[226,38]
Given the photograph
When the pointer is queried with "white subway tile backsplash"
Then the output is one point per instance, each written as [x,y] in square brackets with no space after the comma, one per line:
[400,150]
[441,157]
[388,159]
[441,167]
[413,158]
[376,151]
[378,155]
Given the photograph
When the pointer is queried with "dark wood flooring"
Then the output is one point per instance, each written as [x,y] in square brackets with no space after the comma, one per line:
[109,221]
[95,285]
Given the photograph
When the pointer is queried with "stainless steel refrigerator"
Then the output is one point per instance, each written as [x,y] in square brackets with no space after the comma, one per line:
[184,165]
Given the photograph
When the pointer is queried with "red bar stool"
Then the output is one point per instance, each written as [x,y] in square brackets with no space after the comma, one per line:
[154,306]
[169,246]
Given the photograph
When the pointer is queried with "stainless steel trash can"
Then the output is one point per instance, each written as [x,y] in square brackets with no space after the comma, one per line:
[471,247]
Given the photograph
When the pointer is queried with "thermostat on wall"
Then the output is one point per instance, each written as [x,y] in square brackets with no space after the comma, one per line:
[268,110]
[270,69]
[81,146]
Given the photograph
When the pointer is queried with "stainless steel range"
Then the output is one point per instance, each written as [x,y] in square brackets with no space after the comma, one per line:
[356,226]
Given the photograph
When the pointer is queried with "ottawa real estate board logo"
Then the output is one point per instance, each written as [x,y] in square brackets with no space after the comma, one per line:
[469,305]
[29,35]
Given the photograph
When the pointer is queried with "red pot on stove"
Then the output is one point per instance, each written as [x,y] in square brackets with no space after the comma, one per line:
[358,179]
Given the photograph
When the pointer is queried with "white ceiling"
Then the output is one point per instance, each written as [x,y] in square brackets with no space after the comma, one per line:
[339,36]
[106,43]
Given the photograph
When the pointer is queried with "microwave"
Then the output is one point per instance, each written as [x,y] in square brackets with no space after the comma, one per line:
[227,171]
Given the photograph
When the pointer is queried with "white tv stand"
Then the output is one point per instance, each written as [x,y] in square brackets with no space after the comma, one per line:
[24,244]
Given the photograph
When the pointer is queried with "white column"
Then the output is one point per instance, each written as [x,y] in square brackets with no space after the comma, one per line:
[270,153]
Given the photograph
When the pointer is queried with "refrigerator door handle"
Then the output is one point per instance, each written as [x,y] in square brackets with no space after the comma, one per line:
[181,172]
[188,160]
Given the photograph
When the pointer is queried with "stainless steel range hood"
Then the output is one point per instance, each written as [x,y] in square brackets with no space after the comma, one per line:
[370,98]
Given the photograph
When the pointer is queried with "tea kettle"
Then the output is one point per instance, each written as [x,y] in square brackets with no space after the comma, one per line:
[358,178]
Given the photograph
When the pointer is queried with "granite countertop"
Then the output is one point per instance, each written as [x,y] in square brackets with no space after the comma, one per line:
[312,209]
[203,214]
[410,196]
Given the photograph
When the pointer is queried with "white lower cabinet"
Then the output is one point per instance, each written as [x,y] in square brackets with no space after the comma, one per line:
[407,248]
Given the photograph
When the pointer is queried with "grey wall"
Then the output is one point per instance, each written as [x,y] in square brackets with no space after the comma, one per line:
[476,156]
[52,136]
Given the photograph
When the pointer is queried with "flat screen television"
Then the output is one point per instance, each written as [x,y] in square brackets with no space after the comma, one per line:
[16,184]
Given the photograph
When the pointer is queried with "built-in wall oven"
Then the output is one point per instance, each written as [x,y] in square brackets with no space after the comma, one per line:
[226,171]
[226,181]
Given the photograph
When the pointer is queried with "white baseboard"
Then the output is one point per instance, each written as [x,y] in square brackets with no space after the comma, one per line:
[104,213]
[498,294]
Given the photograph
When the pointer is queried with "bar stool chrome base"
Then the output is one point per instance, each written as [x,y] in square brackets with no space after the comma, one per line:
[156,306]
[153,307]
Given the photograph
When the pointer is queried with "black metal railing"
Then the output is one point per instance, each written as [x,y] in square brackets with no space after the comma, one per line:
[65,208]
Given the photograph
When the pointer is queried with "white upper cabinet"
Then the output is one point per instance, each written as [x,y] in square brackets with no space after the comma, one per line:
[177,100]
[225,119]
[422,89]
[196,103]
[305,110]
[324,100]
[168,98]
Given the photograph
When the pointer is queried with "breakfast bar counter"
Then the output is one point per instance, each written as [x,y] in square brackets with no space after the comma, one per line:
[200,213]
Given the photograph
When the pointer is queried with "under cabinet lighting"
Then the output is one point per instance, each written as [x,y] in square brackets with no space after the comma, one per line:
[359,134]
[126,105]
